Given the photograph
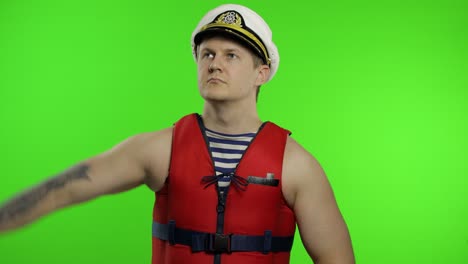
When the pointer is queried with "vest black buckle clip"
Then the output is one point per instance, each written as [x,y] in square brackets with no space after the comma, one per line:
[219,243]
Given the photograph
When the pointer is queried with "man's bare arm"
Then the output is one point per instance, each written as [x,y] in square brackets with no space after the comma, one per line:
[39,200]
[140,159]
[321,225]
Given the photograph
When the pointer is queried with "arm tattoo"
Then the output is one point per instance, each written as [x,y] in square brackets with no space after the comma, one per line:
[29,199]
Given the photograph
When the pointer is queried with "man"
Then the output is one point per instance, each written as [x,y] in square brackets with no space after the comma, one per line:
[230,188]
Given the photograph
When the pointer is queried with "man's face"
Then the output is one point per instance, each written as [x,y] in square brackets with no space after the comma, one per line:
[226,71]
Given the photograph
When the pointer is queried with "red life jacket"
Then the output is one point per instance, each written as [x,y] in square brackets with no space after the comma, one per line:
[187,215]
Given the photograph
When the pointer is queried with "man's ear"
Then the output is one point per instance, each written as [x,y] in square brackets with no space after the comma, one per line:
[263,74]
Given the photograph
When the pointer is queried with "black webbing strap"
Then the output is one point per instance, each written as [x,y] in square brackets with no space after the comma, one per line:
[221,243]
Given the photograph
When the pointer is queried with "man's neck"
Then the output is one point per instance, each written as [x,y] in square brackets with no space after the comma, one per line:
[231,118]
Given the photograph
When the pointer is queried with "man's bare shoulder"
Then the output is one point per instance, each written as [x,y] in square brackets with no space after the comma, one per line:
[148,139]
[154,150]
[293,148]
[298,159]
[300,168]
[147,145]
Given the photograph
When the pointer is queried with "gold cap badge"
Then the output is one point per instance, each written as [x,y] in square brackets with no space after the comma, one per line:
[232,22]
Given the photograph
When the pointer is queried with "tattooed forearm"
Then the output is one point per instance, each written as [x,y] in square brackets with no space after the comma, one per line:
[28,200]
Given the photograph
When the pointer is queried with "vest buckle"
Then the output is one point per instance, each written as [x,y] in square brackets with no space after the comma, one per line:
[219,243]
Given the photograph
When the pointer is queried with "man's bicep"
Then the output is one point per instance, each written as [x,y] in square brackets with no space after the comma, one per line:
[308,192]
[116,170]
[321,225]
[142,159]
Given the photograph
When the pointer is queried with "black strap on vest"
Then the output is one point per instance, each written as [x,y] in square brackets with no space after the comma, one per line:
[221,243]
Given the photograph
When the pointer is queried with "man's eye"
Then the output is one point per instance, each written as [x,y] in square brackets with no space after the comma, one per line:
[232,55]
[208,55]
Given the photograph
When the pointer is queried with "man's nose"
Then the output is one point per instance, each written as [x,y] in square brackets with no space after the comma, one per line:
[215,65]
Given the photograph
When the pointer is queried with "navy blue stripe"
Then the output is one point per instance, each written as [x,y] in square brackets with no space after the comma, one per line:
[224,170]
[231,142]
[226,160]
[232,135]
[227,151]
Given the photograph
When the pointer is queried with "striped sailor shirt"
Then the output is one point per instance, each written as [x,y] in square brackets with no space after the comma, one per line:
[227,151]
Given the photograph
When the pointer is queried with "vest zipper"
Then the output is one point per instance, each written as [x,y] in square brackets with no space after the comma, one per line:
[220,208]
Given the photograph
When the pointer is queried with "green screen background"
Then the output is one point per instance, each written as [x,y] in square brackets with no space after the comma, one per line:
[375,90]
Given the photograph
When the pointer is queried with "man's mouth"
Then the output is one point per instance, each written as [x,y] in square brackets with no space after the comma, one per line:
[213,79]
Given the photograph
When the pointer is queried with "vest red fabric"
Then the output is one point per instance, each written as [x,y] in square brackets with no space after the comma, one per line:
[250,212]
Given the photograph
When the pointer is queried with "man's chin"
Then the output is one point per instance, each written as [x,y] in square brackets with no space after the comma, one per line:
[216,99]
[215,95]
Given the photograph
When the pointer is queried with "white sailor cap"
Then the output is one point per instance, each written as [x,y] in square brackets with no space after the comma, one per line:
[243,24]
